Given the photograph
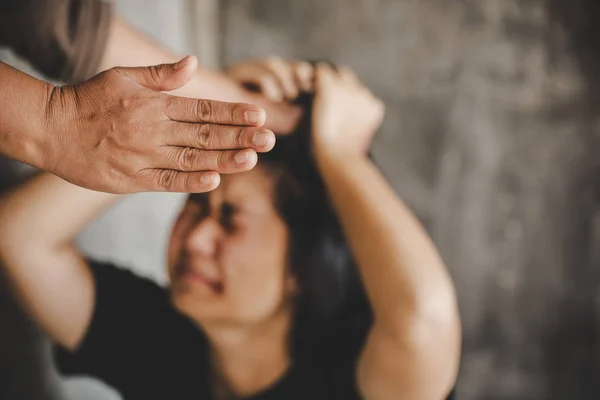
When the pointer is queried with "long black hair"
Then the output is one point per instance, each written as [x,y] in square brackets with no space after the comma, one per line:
[319,256]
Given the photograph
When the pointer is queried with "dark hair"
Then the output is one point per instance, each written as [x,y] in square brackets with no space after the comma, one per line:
[319,256]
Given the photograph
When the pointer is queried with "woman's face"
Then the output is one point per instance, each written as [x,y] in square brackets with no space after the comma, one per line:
[228,254]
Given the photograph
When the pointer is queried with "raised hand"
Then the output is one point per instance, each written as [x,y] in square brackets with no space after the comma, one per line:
[118,133]
[346,115]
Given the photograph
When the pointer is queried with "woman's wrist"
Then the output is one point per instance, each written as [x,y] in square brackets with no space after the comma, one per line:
[331,150]
[330,157]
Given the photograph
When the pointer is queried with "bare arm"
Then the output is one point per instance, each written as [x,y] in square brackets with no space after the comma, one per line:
[117,132]
[412,351]
[38,223]
[128,47]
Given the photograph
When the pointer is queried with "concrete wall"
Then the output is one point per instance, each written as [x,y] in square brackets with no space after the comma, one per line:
[491,136]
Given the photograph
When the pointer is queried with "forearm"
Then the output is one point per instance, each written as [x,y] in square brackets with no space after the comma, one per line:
[38,222]
[46,213]
[128,47]
[23,100]
[402,272]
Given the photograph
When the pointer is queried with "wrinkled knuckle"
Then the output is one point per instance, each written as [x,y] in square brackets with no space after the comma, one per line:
[222,161]
[204,110]
[187,159]
[155,73]
[234,111]
[166,179]
[239,137]
[204,136]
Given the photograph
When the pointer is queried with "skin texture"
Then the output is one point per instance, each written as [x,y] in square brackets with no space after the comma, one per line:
[226,261]
[277,79]
[136,138]
[115,133]
[414,345]
[128,47]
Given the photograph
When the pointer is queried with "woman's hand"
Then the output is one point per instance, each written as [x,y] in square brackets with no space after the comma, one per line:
[118,133]
[275,78]
[346,115]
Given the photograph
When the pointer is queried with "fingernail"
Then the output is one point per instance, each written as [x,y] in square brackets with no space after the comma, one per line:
[253,117]
[261,139]
[182,63]
[241,157]
[207,179]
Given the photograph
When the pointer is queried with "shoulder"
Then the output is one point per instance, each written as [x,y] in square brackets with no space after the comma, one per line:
[133,328]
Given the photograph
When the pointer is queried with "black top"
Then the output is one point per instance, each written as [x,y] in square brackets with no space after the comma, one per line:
[140,345]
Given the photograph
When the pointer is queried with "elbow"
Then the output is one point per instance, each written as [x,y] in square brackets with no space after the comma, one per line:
[434,309]
[436,340]
[429,333]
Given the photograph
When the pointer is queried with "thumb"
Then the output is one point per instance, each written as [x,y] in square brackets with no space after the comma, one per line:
[163,77]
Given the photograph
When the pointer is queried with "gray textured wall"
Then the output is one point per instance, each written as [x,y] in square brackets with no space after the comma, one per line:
[490,139]
[491,136]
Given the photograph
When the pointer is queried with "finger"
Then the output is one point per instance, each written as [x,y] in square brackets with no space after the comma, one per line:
[221,137]
[167,180]
[304,74]
[164,77]
[270,87]
[285,76]
[324,75]
[187,159]
[214,112]
[347,75]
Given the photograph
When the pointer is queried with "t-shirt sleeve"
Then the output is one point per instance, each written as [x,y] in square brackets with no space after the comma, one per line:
[63,39]
[126,311]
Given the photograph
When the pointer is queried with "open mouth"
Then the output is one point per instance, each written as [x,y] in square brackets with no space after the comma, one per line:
[198,276]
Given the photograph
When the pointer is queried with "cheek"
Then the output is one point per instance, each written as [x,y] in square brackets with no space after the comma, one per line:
[258,273]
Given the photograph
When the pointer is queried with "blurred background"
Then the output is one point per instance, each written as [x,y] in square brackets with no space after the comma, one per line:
[492,136]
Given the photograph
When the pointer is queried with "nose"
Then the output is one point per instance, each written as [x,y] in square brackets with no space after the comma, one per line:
[203,239]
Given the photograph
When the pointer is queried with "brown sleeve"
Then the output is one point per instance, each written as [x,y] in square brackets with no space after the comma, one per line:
[63,39]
